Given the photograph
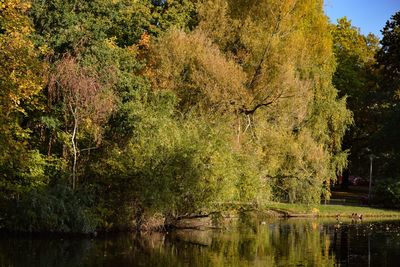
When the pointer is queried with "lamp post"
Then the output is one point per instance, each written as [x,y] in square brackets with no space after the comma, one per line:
[371,158]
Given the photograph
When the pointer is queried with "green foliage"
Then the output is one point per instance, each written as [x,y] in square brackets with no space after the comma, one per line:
[21,79]
[171,107]
[172,165]
[201,76]
[387,137]
[66,25]
[387,193]
[296,164]
[355,78]
[285,51]
[389,53]
[58,209]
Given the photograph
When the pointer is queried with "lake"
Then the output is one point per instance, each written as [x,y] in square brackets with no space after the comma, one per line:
[247,241]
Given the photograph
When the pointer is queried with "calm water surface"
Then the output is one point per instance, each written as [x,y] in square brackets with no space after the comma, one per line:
[249,241]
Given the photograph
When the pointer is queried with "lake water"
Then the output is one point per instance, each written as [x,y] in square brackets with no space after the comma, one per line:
[249,241]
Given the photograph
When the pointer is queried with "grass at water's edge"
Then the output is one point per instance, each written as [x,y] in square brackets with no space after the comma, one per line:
[298,210]
[269,210]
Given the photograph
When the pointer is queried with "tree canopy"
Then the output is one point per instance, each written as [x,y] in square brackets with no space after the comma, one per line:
[119,110]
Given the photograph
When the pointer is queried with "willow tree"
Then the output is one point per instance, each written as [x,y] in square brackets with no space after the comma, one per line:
[201,75]
[285,49]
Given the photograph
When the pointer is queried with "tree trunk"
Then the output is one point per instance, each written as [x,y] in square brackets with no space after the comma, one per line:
[50,144]
[73,140]
[239,131]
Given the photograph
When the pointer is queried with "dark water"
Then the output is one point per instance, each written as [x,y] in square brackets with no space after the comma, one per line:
[247,242]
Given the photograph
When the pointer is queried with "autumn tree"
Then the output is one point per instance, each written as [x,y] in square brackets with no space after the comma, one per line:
[22,76]
[285,50]
[169,107]
[85,101]
[194,68]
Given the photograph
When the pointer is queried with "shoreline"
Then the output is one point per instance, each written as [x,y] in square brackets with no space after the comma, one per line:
[219,220]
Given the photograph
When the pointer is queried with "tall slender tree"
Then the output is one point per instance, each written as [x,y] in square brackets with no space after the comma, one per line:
[356,79]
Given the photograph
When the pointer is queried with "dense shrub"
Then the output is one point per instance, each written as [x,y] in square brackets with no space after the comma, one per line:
[58,209]
[387,193]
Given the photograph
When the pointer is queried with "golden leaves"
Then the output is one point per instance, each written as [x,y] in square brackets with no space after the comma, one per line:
[198,71]
[22,74]
[144,41]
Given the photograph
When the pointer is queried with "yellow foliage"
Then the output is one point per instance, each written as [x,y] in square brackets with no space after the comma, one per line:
[144,41]
[315,210]
[22,76]
[191,65]
[21,73]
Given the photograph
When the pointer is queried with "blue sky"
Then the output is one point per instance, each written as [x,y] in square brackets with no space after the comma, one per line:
[368,15]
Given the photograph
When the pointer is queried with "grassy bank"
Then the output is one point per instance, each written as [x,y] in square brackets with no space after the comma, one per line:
[296,210]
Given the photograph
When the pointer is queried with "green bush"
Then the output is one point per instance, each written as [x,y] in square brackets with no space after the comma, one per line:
[387,193]
[56,209]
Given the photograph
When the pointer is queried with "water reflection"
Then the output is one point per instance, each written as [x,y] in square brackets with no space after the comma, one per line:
[248,241]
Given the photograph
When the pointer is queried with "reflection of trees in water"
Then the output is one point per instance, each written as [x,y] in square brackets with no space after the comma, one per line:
[366,244]
[43,252]
[251,241]
[340,244]
[267,243]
